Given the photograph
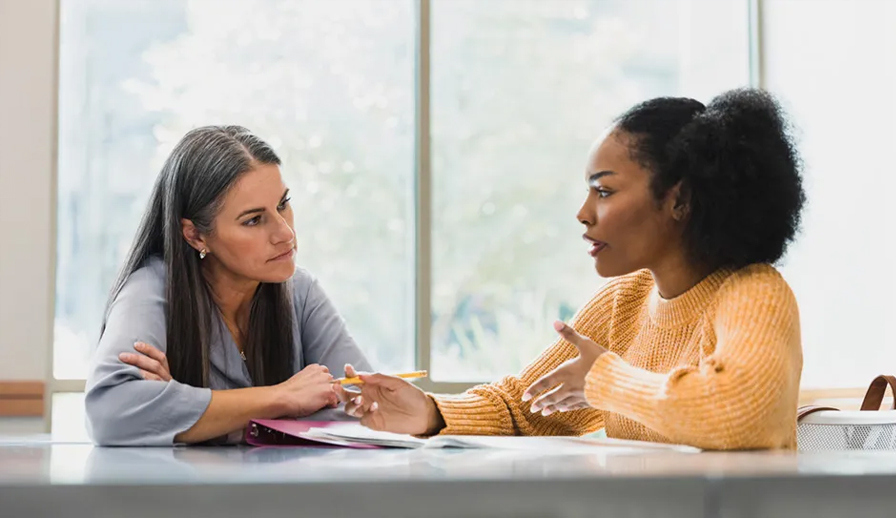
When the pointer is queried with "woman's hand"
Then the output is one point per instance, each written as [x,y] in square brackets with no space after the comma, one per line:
[153,363]
[308,391]
[568,379]
[392,404]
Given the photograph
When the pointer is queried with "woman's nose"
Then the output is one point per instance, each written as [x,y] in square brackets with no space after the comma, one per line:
[586,215]
[284,232]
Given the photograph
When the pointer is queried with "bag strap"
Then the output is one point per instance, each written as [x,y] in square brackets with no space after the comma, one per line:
[805,410]
[875,395]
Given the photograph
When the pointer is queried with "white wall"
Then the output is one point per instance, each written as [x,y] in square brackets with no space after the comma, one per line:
[835,72]
[27,192]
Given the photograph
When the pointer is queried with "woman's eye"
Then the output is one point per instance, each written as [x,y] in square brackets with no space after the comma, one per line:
[251,222]
[283,204]
[603,193]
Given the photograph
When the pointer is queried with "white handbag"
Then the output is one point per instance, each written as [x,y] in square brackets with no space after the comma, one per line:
[822,428]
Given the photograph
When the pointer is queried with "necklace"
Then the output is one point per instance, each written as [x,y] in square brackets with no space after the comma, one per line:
[236,334]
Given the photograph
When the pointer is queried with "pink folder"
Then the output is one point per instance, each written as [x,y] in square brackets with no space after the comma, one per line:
[289,432]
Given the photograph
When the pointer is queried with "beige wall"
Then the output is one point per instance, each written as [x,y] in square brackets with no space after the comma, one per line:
[27,192]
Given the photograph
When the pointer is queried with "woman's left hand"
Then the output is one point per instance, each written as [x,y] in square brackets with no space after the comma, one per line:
[568,378]
[153,363]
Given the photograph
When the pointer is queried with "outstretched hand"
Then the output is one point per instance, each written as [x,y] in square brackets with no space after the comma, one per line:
[563,388]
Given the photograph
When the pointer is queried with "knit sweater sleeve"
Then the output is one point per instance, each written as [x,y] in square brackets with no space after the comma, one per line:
[741,396]
[498,408]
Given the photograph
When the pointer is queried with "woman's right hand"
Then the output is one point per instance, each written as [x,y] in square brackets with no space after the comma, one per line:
[308,391]
[391,404]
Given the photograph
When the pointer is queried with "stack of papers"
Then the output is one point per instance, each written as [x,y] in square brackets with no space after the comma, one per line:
[354,434]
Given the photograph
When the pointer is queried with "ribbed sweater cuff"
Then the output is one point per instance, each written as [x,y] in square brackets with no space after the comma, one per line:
[472,414]
[615,385]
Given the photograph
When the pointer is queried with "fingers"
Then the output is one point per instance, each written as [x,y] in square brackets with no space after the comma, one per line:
[315,373]
[143,362]
[542,384]
[585,345]
[359,406]
[364,404]
[157,355]
[569,334]
[563,407]
[333,396]
[343,393]
[550,409]
[332,399]
[315,368]
[353,408]
[549,398]
[350,371]
[150,376]
[373,419]
[350,408]
[152,352]
[329,396]
[567,405]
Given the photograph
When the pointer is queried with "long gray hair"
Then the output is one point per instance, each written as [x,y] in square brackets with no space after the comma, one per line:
[203,166]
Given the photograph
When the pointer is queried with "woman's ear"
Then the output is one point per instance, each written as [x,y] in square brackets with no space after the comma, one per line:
[193,236]
[678,202]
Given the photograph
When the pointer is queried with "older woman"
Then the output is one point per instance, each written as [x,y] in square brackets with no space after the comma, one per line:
[210,323]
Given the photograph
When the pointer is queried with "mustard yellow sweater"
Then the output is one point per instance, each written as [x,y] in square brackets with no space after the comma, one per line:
[717,367]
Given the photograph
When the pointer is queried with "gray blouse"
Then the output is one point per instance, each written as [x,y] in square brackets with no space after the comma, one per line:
[124,409]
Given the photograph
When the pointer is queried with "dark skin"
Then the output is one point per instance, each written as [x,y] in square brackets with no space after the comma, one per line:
[627,229]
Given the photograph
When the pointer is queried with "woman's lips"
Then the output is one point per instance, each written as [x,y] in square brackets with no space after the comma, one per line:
[596,246]
[285,255]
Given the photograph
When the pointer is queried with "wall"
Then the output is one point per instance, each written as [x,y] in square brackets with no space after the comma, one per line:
[27,161]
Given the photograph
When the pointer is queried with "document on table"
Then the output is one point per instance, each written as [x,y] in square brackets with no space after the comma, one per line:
[348,434]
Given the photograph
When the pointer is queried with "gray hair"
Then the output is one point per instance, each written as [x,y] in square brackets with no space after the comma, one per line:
[201,169]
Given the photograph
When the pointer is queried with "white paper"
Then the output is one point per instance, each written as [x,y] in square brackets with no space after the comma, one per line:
[353,433]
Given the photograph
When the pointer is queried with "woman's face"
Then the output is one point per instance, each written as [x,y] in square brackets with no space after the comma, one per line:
[253,234]
[625,225]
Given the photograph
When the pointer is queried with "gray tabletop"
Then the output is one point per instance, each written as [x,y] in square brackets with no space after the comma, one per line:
[39,478]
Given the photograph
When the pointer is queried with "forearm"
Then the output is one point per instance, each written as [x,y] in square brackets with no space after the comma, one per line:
[231,410]
[498,408]
[709,406]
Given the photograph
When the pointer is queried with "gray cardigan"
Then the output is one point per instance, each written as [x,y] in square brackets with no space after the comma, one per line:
[124,409]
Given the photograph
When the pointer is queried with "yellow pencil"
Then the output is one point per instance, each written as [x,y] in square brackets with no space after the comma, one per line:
[357,381]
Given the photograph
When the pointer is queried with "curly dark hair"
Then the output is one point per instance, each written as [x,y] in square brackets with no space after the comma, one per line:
[738,167]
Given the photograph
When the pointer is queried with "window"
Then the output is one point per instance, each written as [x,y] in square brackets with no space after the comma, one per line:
[838,87]
[519,89]
[329,84]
